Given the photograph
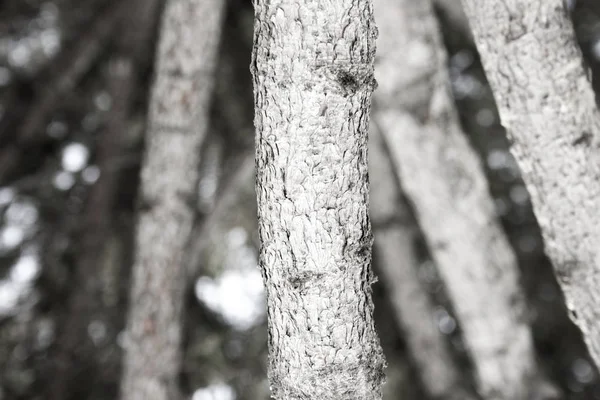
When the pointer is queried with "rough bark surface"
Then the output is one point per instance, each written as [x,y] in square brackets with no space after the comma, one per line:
[395,234]
[547,106]
[178,120]
[442,176]
[313,80]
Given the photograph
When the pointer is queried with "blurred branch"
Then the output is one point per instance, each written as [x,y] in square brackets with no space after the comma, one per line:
[442,177]
[557,152]
[236,115]
[231,183]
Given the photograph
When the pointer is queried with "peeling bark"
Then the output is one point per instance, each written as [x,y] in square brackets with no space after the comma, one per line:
[442,176]
[547,106]
[313,80]
[395,238]
[178,120]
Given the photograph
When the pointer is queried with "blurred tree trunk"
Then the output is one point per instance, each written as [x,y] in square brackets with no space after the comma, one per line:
[586,18]
[547,106]
[313,80]
[76,352]
[395,249]
[455,14]
[442,176]
[178,121]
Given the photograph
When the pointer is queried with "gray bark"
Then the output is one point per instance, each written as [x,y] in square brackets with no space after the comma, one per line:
[178,120]
[442,176]
[395,239]
[313,80]
[547,106]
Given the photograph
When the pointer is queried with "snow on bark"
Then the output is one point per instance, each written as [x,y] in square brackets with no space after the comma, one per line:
[443,178]
[178,120]
[313,79]
[547,106]
[395,239]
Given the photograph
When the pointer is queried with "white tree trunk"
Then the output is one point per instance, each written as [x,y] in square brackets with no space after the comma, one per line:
[178,120]
[395,245]
[443,178]
[547,106]
[313,80]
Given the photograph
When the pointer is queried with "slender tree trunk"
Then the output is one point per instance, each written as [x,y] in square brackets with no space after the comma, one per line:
[442,176]
[395,247]
[178,120]
[547,106]
[313,80]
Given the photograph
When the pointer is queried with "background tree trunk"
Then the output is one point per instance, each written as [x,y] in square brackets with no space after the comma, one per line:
[442,176]
[313,80]
[547,106]
[178,120]
[455,14]
[395,234]
[76,350]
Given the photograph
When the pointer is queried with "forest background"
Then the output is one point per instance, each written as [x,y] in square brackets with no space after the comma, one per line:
[72,133]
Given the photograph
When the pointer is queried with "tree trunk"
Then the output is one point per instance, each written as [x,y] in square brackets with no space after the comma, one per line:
[313,80]
[76,353]
[395,247]
[178,120]
[547,106]
[455,15]
[443,178]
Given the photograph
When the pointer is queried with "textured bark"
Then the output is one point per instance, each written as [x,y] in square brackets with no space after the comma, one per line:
[313,80]
[442,176]
[395,238]
[178,121]
[228,192]
[547,106]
